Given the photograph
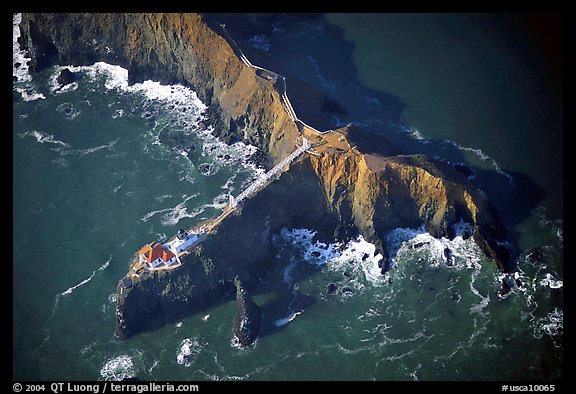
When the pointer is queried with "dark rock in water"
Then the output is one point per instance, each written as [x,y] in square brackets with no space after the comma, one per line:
[66,77]
[365,256]
[385,264]
[205,168]
[536,254]
[419,245]
[331,288]
[248,316]
[449,257]
[456,297]
[347,291]
[505,289]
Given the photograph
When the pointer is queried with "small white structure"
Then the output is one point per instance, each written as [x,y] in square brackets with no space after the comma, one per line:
[182,242]
[232,201]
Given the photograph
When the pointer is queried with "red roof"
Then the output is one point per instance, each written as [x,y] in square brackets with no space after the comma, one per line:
[154,250]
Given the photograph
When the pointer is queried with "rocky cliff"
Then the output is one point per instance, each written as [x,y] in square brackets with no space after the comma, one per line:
[339,192]
[377,194]
[170,48]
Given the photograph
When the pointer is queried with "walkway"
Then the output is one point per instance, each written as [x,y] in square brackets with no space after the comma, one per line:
[261,182]
[284,97]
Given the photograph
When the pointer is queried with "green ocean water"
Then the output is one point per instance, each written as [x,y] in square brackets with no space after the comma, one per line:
[101,169]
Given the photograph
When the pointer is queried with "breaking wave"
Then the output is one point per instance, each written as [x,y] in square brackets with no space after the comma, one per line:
[188,351]
[101,268]
[118,368]
[287,319]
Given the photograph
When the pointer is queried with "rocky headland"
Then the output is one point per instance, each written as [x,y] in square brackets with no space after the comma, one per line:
[338,192]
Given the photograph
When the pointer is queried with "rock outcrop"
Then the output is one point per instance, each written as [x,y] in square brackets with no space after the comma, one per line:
[377,194]
[340,193]
[66,77]
[248,316]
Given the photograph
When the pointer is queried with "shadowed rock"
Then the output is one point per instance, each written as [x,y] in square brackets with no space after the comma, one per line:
[248,316]
[66,77]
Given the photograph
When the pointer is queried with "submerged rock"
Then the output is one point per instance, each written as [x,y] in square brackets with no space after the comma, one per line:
[331,288]
[536,254]
[248,316]
[456,297]
[449,257]
[347,291]
[66,77]
[505,289]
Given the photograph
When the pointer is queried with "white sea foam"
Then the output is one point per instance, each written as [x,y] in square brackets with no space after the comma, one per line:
[287,319]
[30,94]
[485,157]
[552,325]
[362,255]
[173,215]
[179,212]
[101,268]
[54,85]
[551,282]
[188,351]
[44,138]
[18,56]
[484,300]
[465,253]
[68,110]
[359,254]
[118,368]
[183,102]
[318,253]
[417,135]
[116,77]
